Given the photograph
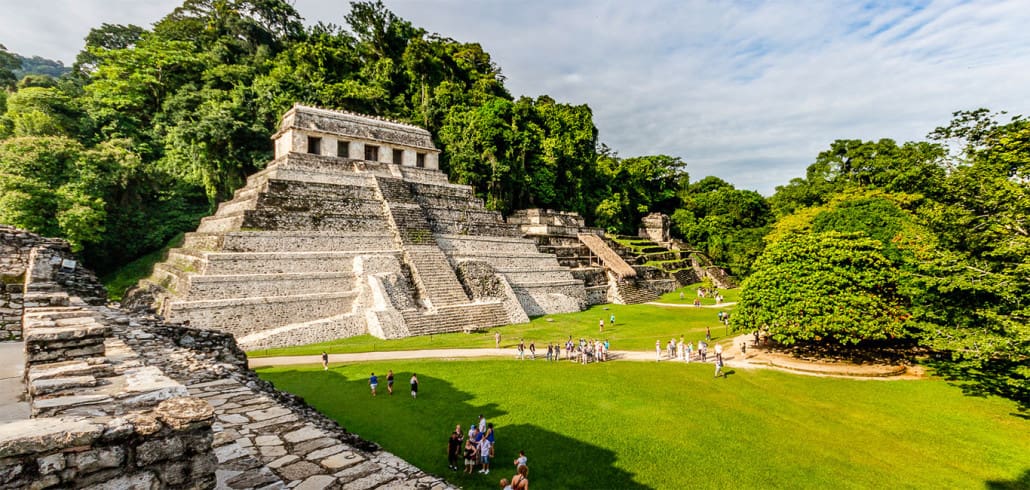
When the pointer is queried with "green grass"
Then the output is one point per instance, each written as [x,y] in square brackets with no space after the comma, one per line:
[629,425]
[118,281]
[636,328]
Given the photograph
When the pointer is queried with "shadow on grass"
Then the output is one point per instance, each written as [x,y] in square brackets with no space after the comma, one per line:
[417,429]
[1022,483]
[993,378]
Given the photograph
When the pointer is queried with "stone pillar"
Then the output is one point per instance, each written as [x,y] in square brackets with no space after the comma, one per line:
[655,227]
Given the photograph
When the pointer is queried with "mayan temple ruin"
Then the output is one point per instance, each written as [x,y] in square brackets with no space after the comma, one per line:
[353,229]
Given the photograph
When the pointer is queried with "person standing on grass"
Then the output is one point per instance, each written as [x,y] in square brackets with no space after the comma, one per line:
[470,455]
[600,326]
[520,481]
[611,320]
[482,423]
[454,449]
[718,367]
[325,361]
[497,340]
[373,382]
[521,460]
[389,382]
[708,334]
[484,455]
[414,385]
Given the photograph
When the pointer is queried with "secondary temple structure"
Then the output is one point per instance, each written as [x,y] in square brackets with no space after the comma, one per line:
[353,229]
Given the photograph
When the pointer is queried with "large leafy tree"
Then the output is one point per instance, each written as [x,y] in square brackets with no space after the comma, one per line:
[829,286]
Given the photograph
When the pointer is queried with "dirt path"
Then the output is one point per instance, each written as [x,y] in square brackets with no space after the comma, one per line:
[754,359]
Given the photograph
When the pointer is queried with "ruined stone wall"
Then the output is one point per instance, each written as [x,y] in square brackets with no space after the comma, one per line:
[16,247]
[169,447]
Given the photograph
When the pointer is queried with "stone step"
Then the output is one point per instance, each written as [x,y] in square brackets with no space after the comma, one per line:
[281,220]
[238,204]
[456,318]
[279,187]
[520,276]
[300,202]
[310,332]
[275,262]
[292,241]
[221,223]
[443,226]
[245,316]
[268,285]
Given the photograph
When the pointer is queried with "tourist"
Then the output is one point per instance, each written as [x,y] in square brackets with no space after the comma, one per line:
[532,350]
[521,460]
[325,361]
[600,325]
[611,320]
[482,423]
[671,347]
[702,350]
[454,449]
[718,367]
[658,350]
[681,295]
[680,348]
[373,381]
[484,455]
[389,382]
[497,340]
[473,433]
[414,386]
[550,351]
[743,348]
[522,350]
[520,481]
[470,455]
[718,350]
[708,334]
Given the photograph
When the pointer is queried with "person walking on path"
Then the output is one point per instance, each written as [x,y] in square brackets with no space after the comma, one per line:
[389,382]
[658,351]
[454,449]
[373,382]
[414,385]
[532,350]
[325,361]
[718,351]
[522,350]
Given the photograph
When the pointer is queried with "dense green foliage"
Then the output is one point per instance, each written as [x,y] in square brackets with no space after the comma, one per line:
[635,425]
[193,100]
[952,229]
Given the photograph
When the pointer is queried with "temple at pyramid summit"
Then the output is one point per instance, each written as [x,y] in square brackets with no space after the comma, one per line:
[353,229]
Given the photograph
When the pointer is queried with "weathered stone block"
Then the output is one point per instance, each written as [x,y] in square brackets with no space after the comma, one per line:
[97,459]
[153,451]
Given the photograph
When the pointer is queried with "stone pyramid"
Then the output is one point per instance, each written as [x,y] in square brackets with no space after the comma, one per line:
[353,229]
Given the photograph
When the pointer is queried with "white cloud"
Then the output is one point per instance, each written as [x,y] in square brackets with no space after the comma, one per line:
[750,91]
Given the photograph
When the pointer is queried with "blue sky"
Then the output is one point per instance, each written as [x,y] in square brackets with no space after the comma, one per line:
[749,91]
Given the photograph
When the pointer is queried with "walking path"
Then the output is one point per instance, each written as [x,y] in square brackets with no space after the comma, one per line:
[754,359]
[679,305]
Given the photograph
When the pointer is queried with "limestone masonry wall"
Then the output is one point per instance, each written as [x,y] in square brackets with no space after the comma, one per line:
[126,400]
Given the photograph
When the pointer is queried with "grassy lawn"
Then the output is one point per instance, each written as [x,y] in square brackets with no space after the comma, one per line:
[629,425]
[130,274]
[636,328]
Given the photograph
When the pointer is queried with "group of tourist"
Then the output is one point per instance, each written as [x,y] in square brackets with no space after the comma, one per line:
[477,448]
[584,352]
[686,351]
[373,383]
